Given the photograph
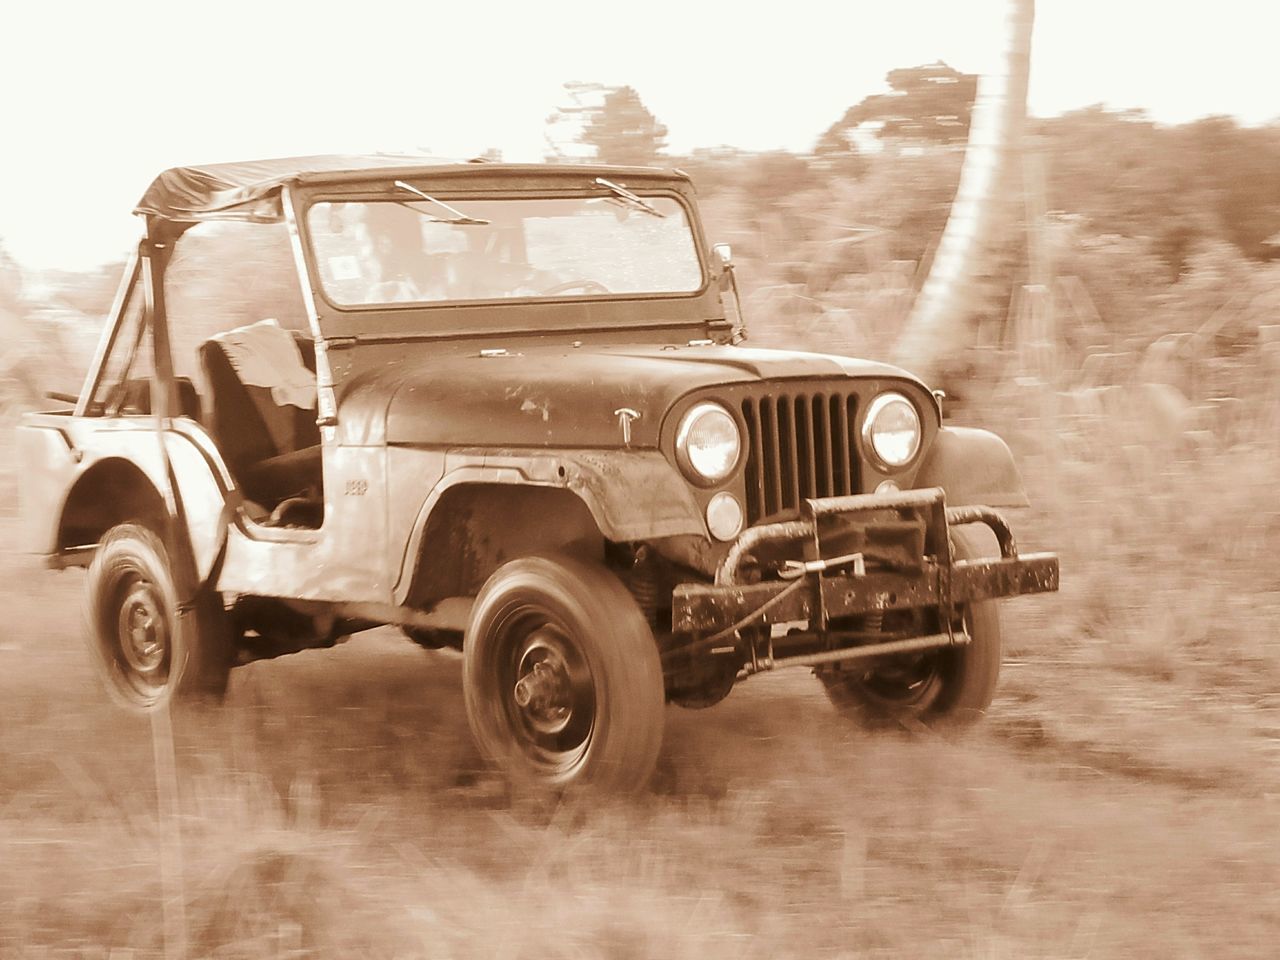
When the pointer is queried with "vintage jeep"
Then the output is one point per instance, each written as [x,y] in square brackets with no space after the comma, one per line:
[505,407]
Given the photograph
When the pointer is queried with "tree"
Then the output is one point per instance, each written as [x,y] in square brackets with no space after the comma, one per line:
[624,131]
[930,103]
[1178,186]
[942,319]
[1241,167]
[611,122]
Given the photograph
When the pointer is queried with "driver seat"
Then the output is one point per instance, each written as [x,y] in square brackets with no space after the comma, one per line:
[272,449]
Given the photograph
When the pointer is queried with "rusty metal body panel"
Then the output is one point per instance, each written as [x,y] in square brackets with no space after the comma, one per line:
[556,394]
[49,463]
[342,560]
[631,494]
[974,467]
[61,456]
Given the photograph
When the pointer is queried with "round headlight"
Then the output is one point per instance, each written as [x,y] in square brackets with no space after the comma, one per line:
[891,430]
[708,443]
[724,516]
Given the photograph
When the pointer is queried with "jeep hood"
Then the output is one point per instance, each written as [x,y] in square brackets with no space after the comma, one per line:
[557,395]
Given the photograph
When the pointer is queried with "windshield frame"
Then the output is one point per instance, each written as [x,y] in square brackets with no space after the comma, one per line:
[516,314]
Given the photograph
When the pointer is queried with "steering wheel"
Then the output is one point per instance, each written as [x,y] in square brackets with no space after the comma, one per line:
[585,285]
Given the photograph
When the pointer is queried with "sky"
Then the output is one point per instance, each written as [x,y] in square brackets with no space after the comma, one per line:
[99,97]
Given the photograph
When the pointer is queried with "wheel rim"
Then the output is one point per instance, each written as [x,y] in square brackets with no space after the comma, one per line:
[547,690]
[142,635]
[911,684]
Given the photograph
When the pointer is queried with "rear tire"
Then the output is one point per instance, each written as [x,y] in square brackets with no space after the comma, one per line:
[953,686]
[562,677]
[148,652]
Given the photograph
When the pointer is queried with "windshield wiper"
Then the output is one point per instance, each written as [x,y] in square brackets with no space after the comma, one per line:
[630,197]
[458,218]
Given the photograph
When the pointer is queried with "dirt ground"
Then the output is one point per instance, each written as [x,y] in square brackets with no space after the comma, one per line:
[335,807]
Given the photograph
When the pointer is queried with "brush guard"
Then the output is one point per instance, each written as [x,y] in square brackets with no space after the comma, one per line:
[817,590]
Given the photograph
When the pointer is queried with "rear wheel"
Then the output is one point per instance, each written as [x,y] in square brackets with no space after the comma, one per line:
[148,652]
[953,685]
[562,677]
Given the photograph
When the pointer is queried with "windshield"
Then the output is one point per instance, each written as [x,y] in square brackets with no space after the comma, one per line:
[412,251]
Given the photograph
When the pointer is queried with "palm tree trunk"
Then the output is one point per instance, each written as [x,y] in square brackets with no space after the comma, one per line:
[941,326]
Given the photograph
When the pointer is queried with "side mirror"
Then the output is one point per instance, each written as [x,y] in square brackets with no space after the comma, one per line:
[729,284]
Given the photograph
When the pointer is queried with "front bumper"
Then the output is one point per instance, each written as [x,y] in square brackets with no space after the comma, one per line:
[815,594]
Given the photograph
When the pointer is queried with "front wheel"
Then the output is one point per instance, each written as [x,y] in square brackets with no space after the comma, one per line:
[148,651]
[562,678]
[951,685]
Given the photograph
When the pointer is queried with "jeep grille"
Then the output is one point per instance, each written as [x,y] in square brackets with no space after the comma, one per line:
[799,444]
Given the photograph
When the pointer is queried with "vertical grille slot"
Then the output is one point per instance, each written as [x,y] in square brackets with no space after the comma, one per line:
[841,448]
[788,459]
[755,469]
[806,456]
[822,444]
[771,448]
[798,445]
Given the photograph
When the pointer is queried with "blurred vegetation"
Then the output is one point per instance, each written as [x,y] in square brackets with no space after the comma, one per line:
[607,125]
[931,103]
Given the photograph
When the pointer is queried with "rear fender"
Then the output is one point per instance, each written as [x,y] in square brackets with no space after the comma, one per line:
[79,479]
[973,467]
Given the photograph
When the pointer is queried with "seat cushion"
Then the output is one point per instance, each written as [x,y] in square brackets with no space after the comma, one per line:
[294,474]
[272,450]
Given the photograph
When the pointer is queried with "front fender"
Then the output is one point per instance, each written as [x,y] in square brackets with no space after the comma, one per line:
[634,495]
[973,467]
[631,494]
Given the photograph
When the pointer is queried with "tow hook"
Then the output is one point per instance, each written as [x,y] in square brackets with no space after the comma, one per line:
[794,569]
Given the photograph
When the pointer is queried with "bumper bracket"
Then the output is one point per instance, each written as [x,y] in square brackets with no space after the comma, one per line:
[844,586]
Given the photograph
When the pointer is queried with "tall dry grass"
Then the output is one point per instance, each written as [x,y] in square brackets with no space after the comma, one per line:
[314,825]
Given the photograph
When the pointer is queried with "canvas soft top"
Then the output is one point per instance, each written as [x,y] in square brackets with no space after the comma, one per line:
[250,190]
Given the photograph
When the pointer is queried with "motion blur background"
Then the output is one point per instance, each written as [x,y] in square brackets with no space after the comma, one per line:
[1123,799]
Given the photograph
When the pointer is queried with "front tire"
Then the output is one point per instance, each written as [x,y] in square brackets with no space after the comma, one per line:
[148,652]
[953,686]
[562,677]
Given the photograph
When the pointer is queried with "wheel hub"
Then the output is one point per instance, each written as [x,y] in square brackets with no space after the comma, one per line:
[143,639]
[544,690]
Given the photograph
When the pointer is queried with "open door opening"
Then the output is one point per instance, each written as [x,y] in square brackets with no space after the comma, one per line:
[247,348]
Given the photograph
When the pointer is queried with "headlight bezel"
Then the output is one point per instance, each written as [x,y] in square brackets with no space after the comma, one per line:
[685,459]
[875,410]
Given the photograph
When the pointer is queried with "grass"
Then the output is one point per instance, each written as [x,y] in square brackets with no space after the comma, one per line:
[1122,800]
[863,848]
[1161,637]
